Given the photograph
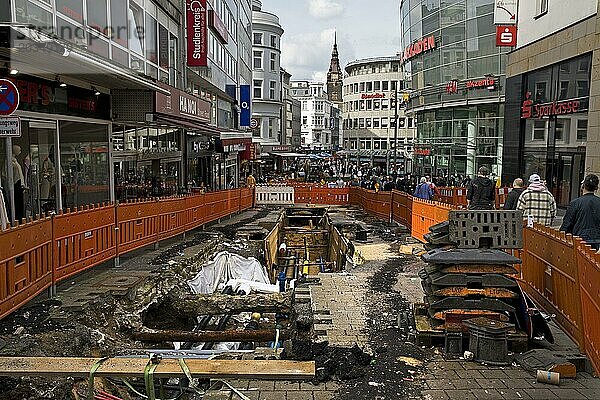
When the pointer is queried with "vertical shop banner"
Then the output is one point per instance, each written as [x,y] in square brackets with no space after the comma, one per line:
[197,33]
[245,103]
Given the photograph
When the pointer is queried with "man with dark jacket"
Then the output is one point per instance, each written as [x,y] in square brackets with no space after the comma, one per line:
[481,194]
[513,197]
[583,215]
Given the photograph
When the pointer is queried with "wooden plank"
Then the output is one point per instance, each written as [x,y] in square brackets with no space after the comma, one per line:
[167,368]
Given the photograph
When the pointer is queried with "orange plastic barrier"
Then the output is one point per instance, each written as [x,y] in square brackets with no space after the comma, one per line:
[82,239]
[320,194]
[25,263]
[588,263]
[402,204]
[137,225]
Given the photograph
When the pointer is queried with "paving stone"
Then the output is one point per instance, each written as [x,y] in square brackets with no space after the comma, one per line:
[572,384]
[469,374]
[282,385]
[518,383]
[513,394]
[487,394]
[590,383]
[252,394]
[262,385]
[541,394]
[435,395]
[494,374]
[297,395]
[590,393]
[440,384]
[272,395]
[465,384]
[460,395]
[450,365]
[571,394]
[491,383]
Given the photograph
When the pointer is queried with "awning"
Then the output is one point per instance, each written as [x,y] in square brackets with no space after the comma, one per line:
[36,53]
[176,122]
[289,155]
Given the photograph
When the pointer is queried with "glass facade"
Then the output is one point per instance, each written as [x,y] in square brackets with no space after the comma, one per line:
[554,146]
[462,128]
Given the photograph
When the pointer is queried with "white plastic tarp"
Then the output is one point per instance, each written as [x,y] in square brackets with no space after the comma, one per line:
[224,267]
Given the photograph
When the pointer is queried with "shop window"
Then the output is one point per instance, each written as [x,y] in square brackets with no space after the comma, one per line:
[97,17]
[582,125]
[151,39]
[136,24]
[539,130]
[257,59]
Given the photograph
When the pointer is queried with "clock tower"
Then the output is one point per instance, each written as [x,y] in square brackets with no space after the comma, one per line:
[334,76]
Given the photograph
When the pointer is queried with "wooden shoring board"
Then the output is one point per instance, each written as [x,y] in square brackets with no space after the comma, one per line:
[167,368]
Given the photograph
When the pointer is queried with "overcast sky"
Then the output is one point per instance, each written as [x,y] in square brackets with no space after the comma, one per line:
[365,28]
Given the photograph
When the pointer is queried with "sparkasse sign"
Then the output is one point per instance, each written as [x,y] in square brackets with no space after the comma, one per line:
[197,33]
[531,110]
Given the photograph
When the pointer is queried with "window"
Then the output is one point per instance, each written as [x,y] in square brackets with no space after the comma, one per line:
[369,122]
[540,91]
[304,120]
[258,89]
[361,123]
[97,16]
[173,51]
[377,86]
[376,104]
[136,24]
[258,37]
[384,123]
[385,86]
[163,45]
[410,122]
[582,125]
[272,89]
[151,40]
[369,86]
[376,123]
[305,105]
[582,88]
[274,41]
[273,62]
[258,59]
[362,86]
[563,129]
[539,130]
[385,104]
[563,90]
[71,8]
[542,7]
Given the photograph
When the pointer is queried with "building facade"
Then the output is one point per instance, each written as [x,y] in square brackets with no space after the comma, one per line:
[369,112]
[457,84]
[266,78]
[316,109]
[291,113]
[552,109]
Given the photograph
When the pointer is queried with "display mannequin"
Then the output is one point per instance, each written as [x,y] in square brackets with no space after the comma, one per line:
[18,182]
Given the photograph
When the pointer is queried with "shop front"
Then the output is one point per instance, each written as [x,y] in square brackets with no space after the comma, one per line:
[233,147]
[552,126]
[61,158]
[150,141]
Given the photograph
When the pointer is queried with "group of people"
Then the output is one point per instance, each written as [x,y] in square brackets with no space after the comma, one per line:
[582,217]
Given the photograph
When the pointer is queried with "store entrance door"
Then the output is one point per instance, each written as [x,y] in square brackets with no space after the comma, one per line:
[568,173]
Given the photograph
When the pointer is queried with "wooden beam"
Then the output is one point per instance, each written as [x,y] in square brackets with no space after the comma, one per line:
[167,368]
[216,304]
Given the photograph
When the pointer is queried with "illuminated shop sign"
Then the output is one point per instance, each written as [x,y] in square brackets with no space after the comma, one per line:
[488,83]
[365,96]
[530,110]
[419,47]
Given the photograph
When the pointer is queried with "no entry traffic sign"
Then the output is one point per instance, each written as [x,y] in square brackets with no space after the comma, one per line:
[9,97]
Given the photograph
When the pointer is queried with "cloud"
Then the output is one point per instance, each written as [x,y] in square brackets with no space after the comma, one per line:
[325,9]
[307,55]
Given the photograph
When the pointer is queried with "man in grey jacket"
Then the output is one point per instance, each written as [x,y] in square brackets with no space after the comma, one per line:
[583,215]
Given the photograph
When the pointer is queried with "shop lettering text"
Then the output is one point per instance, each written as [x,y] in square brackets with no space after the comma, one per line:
[197,35]
[530,110]
[489,83]
[218,26]
[372,96]
[43,94]
[419,47]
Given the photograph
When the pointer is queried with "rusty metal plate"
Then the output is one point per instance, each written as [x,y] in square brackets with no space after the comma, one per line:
[458,316]
[479,269]
[487,280]
[498,293]
[436,304]
[469,256]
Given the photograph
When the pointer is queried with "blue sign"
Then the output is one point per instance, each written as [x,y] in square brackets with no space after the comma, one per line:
[231,92]
[245,103]
[9,97]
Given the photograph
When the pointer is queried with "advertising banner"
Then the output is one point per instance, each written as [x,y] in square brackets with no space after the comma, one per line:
[245,103]
[197,33]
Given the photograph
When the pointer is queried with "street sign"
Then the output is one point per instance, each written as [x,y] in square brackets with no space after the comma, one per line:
[506,36]
[254,123]
[10,127]
[9,97]
[505,12]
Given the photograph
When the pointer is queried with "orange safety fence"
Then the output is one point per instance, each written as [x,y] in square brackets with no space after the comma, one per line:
[425,214]
[550,274]
[35,255]
[457,196]
[402,208]
[25,263]
[321,194]
[588,264]
[83,238]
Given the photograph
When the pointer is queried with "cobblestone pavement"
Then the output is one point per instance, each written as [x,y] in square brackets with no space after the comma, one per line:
[339,312]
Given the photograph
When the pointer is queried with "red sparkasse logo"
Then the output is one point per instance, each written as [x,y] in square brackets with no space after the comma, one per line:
[506,36]
[197,33]
[531,110]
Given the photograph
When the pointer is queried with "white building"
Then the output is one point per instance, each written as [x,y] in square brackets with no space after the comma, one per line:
[266,78]
[368,111]
[316,114]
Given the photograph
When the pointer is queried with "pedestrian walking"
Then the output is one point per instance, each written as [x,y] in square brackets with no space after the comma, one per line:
[513,196]
[481,194]
[583,215]
[537,202]
[423,190]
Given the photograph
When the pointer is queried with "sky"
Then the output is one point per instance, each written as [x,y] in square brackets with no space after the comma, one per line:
[365,28]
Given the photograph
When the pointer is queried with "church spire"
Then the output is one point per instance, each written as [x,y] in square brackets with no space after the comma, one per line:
[334,65]
[334,76]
